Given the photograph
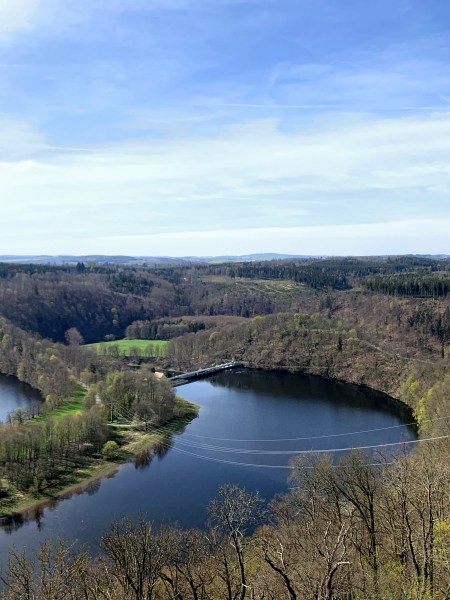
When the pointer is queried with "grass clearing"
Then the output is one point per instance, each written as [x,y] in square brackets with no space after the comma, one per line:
[71,407]
[273,288]
[126,347]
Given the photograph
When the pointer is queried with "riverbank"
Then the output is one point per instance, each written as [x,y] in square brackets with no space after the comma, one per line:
[72,407]
[313,345]
[132,440]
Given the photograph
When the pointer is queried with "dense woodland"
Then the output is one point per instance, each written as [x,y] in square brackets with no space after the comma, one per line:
[351,532]
[425,286]
[166,329]
[36,449]
[104,300]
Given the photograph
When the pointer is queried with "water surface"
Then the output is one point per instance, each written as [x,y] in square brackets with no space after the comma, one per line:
[15,394]
[251,424]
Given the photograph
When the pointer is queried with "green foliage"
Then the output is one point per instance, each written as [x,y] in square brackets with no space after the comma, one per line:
[33,454]
[101,301]
[424,286]
[163,329]
[126,394]
[409,392]
[73,406]
[110,450]
[40,363]
[131,348]
[352,530]
[434,408]
[128,282]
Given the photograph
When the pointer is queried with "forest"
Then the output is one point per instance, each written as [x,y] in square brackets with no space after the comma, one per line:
[43,446]
[357,531]
[103,300]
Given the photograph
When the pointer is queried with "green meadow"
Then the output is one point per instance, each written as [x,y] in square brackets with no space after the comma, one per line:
[148,348]
[74,406]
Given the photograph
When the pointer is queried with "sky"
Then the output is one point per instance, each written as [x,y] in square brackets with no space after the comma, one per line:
[211,127]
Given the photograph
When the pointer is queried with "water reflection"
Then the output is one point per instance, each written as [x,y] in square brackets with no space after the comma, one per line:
[38,516]
[297,385]
[15,394]
[163,446]
[12,523]
[143,459]
[257,413]
[93,486]
[39,511]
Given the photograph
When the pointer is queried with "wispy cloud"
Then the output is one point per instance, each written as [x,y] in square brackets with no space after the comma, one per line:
[251,173]
[139,121]
[394,237]
[435,108]
[16,15]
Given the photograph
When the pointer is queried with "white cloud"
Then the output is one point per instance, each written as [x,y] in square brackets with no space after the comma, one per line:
[396,237]
[250,180]
[16,14]
[19,140]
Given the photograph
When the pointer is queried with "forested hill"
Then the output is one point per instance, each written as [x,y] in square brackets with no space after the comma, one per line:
[383,323]
[103,300]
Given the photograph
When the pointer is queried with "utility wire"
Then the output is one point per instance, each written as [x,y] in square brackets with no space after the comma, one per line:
[317,437]
[311,451]
[245,464]
[128,415]
[268,466]
[223,449]
[295,439]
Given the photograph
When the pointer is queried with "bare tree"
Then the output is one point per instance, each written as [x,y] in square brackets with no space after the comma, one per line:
[58,574]
[136,556]
[188,574]
[232,513]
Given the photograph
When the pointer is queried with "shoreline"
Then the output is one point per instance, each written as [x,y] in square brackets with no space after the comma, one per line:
[100,468]
[145,441]
[388,398]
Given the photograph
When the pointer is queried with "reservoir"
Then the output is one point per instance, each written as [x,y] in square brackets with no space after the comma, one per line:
[15,394]
[250,425]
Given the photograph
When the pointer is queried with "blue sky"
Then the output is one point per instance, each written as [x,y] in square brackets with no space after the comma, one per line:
[181,127]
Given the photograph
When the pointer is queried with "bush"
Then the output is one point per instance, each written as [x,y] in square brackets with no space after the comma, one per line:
[110,450]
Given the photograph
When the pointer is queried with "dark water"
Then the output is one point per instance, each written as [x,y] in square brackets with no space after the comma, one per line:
[15,394]
[259,419]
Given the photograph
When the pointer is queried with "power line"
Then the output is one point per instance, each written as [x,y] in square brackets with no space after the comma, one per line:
[268,466]
[128,415]
[313,437]
[253,465]
[257,465]
[316,437]
[311,451]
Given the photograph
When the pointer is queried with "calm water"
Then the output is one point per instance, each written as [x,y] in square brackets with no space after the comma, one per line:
[15,394]
[251,424]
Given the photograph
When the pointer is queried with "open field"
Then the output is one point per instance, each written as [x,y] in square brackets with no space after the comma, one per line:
[273,288]
[72,407]
[126,347]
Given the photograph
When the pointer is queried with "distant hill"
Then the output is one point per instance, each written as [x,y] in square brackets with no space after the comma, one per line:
[139,260]
[246,257]
[98,259]
[152,261]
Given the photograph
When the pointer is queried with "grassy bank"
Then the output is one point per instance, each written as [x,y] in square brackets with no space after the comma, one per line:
[71,407]
[131,439]
[128,347]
